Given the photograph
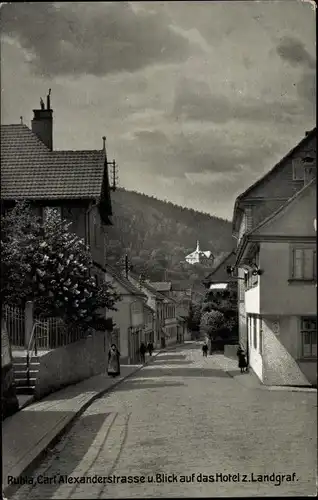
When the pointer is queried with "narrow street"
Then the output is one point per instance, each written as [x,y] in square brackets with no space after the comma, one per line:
[183,415]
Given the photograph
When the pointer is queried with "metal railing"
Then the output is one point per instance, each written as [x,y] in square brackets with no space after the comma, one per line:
[32,346]
[15,320]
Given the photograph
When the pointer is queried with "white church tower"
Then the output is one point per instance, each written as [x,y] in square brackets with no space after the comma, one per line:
[198,255]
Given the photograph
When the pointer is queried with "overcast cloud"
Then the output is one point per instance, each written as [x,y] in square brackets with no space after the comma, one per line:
[197,99]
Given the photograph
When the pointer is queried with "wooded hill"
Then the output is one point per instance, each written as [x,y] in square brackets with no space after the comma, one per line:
[157,235]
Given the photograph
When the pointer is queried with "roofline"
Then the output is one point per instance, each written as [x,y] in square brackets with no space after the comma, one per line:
[291,200]
[123,281]
[248,236]
[150,288]
[218,267]
[307,137]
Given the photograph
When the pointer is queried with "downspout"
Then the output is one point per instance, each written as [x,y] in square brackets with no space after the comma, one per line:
[87,225]
[130,333]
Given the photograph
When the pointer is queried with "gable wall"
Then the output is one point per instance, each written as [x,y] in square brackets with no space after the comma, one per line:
[261,200]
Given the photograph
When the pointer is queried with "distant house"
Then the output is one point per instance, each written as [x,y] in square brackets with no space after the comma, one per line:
[221,277]
[273,223]
[149,325]
[129,319]
[268,194]
[199,256]
[155,301]
[74,183]
[181,293]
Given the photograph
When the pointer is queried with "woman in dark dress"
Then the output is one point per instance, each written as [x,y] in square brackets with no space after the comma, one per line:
[242,363]
[113,361]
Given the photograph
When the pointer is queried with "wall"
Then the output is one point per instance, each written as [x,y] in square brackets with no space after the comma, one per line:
[96,237]
[72,363]
[122,319]
[255,346]
[252,299]
[277,295]
[241,310]
[279,352]
[137,312]
[280,184]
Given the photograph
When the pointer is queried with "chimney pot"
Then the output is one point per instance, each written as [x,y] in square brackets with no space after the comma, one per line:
[48,100]
[104,143]
[42,123]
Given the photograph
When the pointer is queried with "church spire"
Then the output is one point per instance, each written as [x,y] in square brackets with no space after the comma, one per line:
[198,246]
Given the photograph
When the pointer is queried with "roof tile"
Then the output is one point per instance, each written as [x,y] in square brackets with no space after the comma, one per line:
[29,170]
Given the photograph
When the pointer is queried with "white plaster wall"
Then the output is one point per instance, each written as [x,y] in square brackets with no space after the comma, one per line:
[252,303]
[72,363]
[277,294]
[280,351]
[123,321]
[255,356]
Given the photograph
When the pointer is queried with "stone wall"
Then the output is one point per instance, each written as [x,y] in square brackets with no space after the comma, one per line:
[72,363]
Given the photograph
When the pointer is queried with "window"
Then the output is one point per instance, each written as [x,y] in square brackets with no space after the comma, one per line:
[309,174]
[95,231]
[298,169]
[260,329]
[308,331]
[255,333]
[303,264]
[136,307]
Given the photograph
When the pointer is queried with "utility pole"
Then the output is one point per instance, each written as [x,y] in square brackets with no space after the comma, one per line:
[114,169]
[128,266]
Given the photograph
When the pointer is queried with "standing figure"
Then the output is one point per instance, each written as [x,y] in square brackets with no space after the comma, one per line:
[242,363]
[150,348]
[205,349]
[142,351]
[113,361]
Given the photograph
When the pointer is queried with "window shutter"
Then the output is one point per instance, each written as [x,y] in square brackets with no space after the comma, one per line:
[292,263]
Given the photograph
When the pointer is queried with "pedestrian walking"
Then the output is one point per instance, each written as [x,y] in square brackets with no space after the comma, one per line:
[150,348]
[142,351]
[242,363]
[113,369]
[205,350]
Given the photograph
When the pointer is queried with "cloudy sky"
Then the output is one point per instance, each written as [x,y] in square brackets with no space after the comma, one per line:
[197,99]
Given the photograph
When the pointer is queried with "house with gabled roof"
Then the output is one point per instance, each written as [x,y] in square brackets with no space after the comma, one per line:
[130,317]
[296,169]
[158,302]
[199,256]
[173,326]
[221,277]
[279,256]
[74,183]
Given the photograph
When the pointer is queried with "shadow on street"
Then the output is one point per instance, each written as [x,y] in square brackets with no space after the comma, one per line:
[139,384]
[182,372]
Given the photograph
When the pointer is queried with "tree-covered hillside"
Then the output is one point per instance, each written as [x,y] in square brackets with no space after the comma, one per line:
[157,235]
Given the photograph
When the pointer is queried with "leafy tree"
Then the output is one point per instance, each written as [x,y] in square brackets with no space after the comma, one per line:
[212,323]
[49,265]
[194,317]
[224,301]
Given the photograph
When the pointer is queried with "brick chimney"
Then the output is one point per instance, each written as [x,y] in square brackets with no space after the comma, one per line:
[42,123]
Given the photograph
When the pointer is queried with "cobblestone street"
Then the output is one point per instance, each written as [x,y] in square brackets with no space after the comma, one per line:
[183,415]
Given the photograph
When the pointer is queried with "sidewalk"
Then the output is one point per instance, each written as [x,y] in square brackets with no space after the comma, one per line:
[250,379]
[28,434]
